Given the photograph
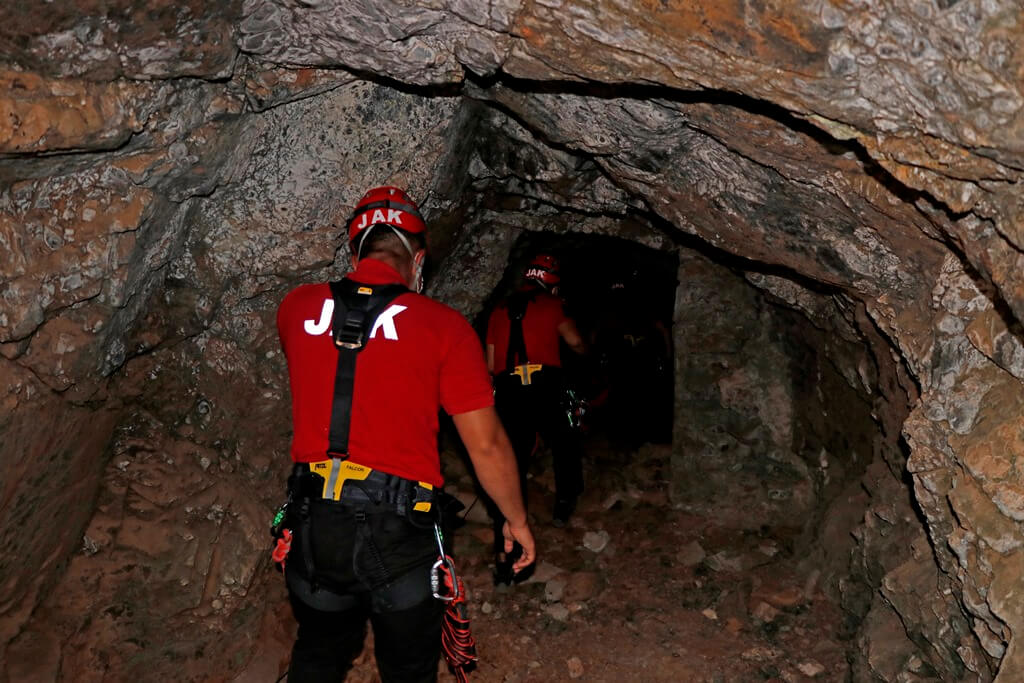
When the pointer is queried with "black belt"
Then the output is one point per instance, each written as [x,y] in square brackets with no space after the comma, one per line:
[345,481]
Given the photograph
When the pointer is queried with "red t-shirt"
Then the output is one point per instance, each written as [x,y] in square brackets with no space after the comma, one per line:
[540,331]
[422,356]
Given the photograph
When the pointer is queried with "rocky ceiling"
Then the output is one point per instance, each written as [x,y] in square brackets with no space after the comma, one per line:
[169,170]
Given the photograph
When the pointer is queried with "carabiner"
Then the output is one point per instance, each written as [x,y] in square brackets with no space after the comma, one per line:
[446,562]
[435,581]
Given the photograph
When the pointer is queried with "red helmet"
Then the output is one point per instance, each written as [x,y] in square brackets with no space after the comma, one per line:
[385,205]
[543,270]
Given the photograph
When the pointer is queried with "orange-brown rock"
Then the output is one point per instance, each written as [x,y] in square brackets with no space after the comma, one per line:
[41,115]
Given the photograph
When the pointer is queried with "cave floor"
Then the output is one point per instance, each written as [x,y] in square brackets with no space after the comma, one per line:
[636,589]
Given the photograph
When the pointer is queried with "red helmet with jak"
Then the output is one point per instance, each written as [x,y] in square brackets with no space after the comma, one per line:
[543,270]
[385,205]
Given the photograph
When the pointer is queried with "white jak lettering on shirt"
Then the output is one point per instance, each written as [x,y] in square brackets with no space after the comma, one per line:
[385,320]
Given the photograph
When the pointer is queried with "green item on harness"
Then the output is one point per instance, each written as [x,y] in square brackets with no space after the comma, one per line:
[275,526]
[575,409]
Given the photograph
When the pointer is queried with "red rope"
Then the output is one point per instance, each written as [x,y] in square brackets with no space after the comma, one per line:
[457,642]
[282,548]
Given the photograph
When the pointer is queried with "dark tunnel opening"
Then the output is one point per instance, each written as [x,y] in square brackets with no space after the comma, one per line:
[621,295]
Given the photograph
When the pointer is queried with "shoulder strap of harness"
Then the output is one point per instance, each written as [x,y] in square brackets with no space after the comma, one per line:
[517,304]
[356,309]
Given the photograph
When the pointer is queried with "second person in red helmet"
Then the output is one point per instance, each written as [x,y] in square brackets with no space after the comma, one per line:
[524,333]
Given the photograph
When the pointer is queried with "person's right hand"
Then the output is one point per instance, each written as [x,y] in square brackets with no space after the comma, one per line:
[521,534]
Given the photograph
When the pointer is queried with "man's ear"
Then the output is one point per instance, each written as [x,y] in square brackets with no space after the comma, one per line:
[355,261]
[420,255]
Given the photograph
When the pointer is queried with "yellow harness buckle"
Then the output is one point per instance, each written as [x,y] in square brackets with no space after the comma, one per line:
[525,372]
[336,472]
[424,493]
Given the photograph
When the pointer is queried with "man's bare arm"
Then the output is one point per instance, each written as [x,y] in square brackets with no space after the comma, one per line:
[495,464]
[571,335]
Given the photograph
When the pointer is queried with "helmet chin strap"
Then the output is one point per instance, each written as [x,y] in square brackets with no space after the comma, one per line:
[362,240]
[417,275]
[408,247]
[417,278]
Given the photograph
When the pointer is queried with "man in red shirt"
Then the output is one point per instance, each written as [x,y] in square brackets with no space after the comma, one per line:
[370,364]
[523,337]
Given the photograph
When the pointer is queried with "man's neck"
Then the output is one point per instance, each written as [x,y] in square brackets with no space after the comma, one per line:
[399,264]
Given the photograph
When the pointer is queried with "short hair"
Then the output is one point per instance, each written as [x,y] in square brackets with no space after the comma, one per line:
[383,239]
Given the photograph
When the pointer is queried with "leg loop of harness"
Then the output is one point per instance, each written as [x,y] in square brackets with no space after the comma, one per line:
[345,482]
[307,544]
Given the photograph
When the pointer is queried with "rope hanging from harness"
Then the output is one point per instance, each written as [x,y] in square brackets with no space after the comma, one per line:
[457,643]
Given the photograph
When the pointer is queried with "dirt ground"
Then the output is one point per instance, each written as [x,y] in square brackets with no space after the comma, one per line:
[636,589]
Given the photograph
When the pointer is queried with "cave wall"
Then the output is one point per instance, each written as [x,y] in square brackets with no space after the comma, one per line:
[799,415]
[874,148]
[84,237]
[769,409]
[170,432]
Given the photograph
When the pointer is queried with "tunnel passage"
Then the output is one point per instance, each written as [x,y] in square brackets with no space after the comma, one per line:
[166,176]
[174,533]
[766,407]
[776,416]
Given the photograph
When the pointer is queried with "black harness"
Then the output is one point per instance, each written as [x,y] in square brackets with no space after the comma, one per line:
[517,304]
[356,309]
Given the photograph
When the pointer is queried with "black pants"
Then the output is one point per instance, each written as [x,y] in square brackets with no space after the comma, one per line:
[532,409]
[374,565]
